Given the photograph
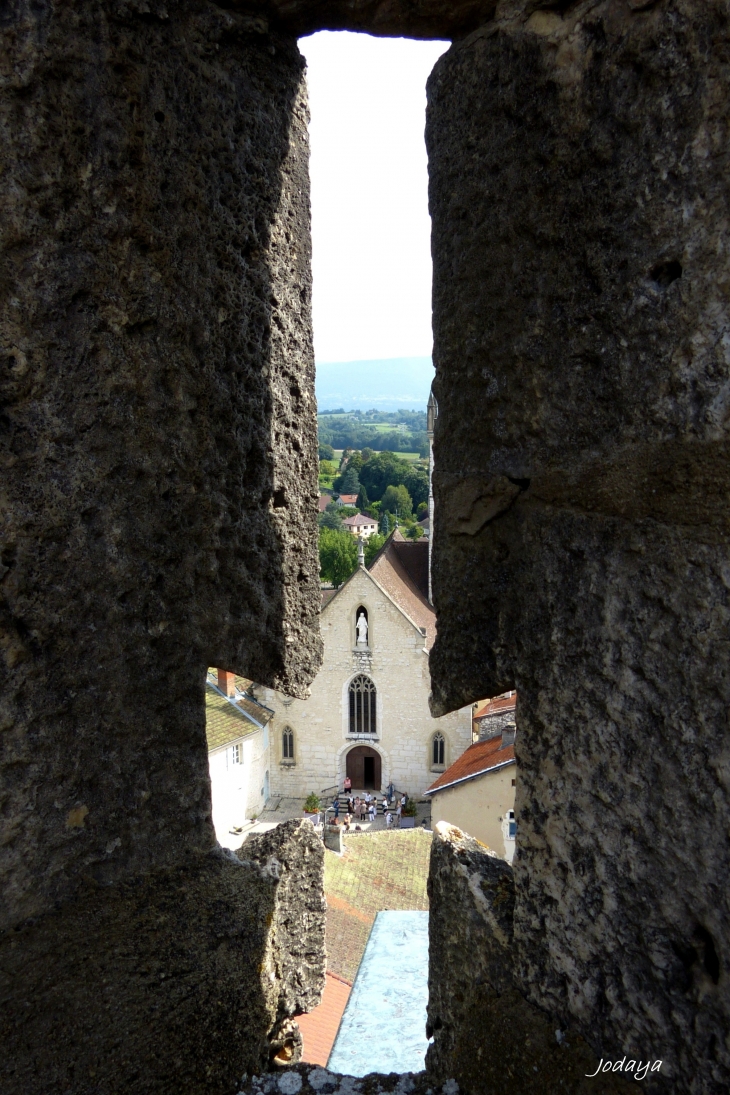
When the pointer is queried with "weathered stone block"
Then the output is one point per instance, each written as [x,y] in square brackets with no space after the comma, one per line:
[486,1035]
[180,979]
[579,194]
[159,485]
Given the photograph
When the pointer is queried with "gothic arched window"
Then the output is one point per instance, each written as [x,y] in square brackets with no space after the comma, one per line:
[438,750]
[363,699]
[287,743]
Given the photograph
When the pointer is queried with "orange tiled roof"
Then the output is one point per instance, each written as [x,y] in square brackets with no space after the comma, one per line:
[319,1027]
[348,499]
[497,706]
[481,757]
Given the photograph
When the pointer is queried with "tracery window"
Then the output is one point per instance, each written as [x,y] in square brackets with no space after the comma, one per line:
[438,750]
[363,700]
[287,743]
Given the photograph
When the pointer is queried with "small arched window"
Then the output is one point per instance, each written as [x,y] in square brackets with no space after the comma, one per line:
[363,700]
[438,750]
[287,743]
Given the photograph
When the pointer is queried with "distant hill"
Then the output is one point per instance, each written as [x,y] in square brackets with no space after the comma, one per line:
[390,384]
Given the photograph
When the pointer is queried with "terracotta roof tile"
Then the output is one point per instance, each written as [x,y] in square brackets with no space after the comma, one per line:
[348,499]
[319,1027]
[497,706]
[482,756]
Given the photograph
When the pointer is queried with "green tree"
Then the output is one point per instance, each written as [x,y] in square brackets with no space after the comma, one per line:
[362,500]
[326,452]
[328,468]
[414,532]
[397,500]
[385,525]
[348,482]
[366,454]
[422,510]
[373,545]
[416,483]
[331,518]
[337,555]
[381,471]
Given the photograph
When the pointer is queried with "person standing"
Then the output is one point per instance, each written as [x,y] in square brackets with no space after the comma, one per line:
[347,786]
[371,812]
[398,814]
[389,820]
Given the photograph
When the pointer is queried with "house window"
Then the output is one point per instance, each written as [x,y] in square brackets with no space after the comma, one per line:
[438,751]
[236,754]
[287,743]
[512,824]
[363,701]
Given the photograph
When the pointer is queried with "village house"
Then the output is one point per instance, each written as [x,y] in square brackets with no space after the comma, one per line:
[492,716]
[238,753]
[367,716]
[360,525]
[346,500]
[477,793]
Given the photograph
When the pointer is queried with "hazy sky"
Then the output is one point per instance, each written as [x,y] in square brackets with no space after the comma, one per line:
[370,223]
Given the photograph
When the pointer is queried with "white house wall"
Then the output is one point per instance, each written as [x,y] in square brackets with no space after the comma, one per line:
[238,791]
[398,665]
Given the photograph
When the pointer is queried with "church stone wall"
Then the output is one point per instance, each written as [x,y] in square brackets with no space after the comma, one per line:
[579,191]
[398,664]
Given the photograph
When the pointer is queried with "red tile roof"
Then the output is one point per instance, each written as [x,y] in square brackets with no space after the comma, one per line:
[481,757]
[319,1027]
[358,520]
[324,501]
[348,499]
[497,706]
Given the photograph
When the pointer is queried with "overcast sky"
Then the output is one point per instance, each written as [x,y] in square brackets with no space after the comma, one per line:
[370,223]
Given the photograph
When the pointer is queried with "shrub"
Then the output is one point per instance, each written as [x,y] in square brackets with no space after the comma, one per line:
[312,803]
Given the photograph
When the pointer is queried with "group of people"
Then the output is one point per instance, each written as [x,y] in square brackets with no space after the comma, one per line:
[366,808]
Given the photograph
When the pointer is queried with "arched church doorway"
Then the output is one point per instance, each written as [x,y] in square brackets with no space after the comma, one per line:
[364,768]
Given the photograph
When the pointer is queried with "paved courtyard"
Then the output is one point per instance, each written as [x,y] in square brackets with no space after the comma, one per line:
[379,870]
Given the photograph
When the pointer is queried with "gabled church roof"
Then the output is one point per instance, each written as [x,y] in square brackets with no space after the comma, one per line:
[401,568]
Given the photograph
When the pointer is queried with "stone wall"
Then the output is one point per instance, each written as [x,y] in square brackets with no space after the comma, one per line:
[159,498]
[485,1034]
[579,194]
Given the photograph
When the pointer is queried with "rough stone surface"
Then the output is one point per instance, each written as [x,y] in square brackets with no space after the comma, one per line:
[293,855]
[486,1035]
[176,981]
[159,500]
[579,194]
[398,18]
[308,1080]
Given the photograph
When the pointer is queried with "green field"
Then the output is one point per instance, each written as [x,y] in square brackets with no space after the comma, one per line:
[412,457]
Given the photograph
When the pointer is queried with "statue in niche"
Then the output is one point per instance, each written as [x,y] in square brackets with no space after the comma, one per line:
[362,630]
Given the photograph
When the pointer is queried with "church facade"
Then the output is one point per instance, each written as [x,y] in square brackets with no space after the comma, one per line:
[367,715]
